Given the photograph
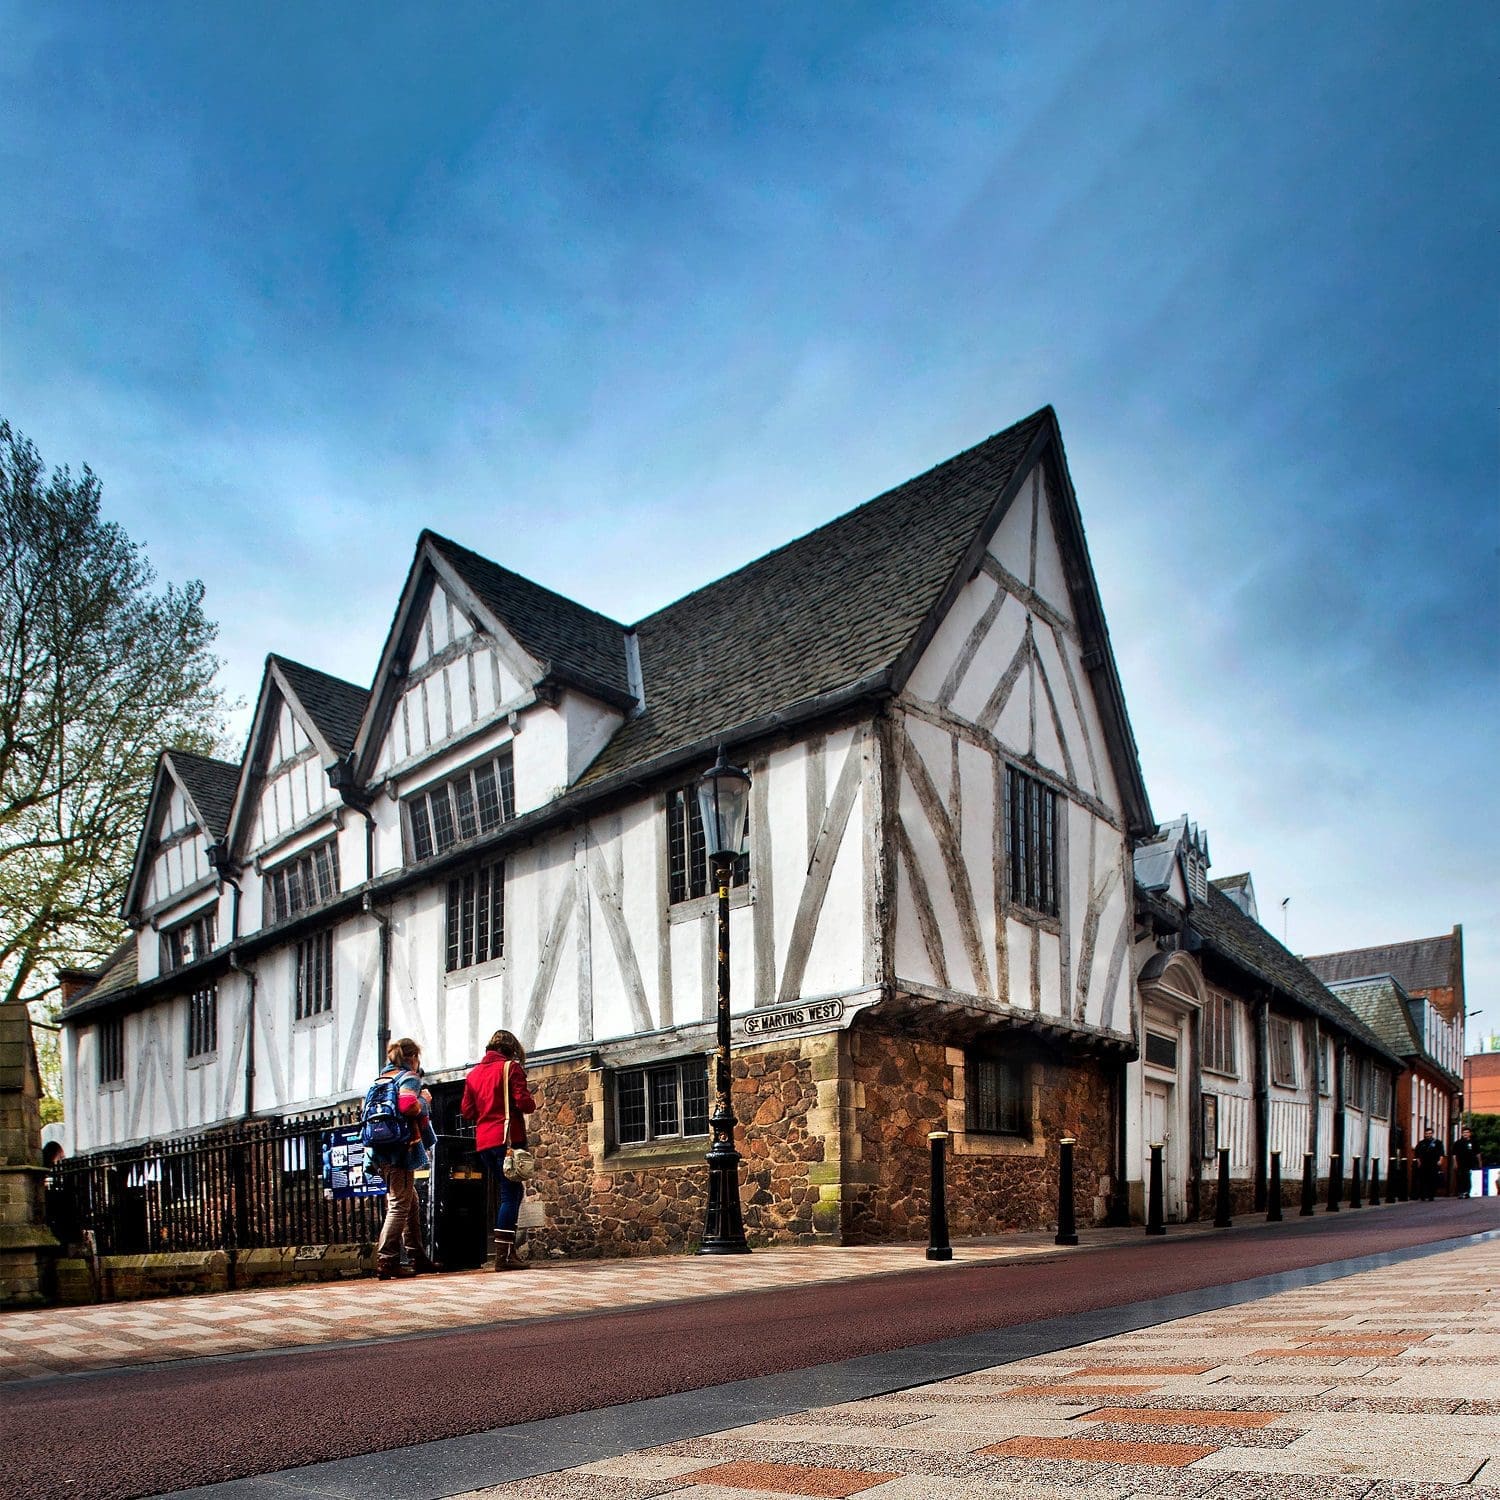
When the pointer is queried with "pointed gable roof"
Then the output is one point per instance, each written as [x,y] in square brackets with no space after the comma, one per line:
[544,636]
[209,787]
[1382,1005]
[329,709]
[334,707]
[1422,964]
[851,605]
[575,644]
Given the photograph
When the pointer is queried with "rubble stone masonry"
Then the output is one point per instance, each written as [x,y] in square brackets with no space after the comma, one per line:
[833,1132]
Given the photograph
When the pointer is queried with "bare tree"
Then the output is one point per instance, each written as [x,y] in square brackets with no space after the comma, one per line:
[99,671]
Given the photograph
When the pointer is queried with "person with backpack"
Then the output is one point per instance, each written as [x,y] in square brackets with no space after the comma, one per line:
[497,1100]
[396,1128]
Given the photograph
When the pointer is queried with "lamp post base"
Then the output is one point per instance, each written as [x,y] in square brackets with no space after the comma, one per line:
[723,1225]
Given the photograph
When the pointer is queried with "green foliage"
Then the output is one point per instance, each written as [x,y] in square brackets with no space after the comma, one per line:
[51,1110]
[1486,1130]
[101,672]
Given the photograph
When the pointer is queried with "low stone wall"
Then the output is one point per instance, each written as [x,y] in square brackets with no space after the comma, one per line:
[131,1278]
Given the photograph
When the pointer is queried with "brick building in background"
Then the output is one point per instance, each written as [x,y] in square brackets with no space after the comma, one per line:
[1412,995]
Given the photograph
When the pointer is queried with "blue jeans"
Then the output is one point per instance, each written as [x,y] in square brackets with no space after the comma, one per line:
[511,1193]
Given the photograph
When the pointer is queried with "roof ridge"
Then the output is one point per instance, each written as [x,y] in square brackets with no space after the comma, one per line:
[1437,937]
[445,543]
[212,760]
[302,666]
[1005,433]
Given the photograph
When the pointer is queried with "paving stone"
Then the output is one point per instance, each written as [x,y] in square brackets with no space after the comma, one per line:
[789,1479]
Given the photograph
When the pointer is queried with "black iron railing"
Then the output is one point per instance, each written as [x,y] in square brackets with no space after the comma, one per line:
[252,1186]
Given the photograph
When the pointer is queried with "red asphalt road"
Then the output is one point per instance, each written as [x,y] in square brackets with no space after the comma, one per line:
[140,1432]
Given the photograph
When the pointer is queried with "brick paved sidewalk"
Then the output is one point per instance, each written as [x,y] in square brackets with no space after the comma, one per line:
[59,1341]
[1379,1386]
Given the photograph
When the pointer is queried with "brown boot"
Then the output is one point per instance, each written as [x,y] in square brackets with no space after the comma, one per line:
[393,1270]
[505,1252]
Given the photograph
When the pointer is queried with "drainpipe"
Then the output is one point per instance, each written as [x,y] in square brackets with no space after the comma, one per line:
[383,1012]
[1119,1209]
[1262,1099]
[238,968]
[341,775]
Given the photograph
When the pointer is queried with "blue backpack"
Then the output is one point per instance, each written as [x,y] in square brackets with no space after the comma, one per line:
[381,1125]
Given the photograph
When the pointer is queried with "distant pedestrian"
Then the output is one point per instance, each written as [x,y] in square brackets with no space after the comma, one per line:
[1466,1160]
[1428,1153]
[398,1105]
[497,1100]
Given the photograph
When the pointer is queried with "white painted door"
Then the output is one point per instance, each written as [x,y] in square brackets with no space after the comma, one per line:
[1161,1122]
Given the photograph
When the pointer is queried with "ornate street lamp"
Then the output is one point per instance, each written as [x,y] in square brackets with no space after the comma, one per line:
[723,800]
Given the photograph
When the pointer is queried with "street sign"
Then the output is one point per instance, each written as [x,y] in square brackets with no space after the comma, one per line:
[793,1018]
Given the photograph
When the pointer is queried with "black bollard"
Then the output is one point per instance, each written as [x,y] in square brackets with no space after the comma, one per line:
[1484,1182]
[1309,1186]
[1067,1226]
[1405,1178]
[1222,1217]
[1335,1182]
[938,1247]
[1374,1182]
[1156,1216]
[1355,1201]
[1273,1204]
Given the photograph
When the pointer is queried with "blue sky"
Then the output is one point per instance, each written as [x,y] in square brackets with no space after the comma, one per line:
[298,281]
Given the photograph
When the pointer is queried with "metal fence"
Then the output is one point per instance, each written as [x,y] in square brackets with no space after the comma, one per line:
[252,1186]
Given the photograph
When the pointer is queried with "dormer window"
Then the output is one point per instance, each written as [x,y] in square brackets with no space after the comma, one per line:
[476,801]
[302,883]
[187,942]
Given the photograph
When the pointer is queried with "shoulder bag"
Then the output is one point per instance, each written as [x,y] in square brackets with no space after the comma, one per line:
[519,1163]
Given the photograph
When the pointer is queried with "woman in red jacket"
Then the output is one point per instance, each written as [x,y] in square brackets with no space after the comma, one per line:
[495,1095]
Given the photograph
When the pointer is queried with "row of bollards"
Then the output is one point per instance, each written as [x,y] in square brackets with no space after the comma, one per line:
[1398,1188]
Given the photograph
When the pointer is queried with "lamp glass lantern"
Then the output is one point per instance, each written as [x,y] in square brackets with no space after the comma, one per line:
[723,802]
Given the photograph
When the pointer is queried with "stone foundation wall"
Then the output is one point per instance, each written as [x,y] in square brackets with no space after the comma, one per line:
[903,1088]
[648,1200]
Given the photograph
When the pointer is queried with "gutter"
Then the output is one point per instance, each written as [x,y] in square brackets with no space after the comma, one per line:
[559,812]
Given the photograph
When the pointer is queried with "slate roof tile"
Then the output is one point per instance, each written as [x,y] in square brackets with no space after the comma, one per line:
[336,706]
[211,784]
[1422,964]
[578,643]
[115,974]
[824,612]
[1381,1005]
[1245,942]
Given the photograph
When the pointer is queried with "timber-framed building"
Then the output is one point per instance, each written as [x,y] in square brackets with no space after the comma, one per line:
[934,928]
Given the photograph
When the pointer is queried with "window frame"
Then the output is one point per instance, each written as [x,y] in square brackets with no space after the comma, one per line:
[202,927]
[1218,1035]
[1033,816]
[976,1064]
[203,1023]
[485,897]
[441,803]
[689,873]
[684,1072]
[109,1044]
[315,868]
[1382,1092]
[1282,1040]
[312,957]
